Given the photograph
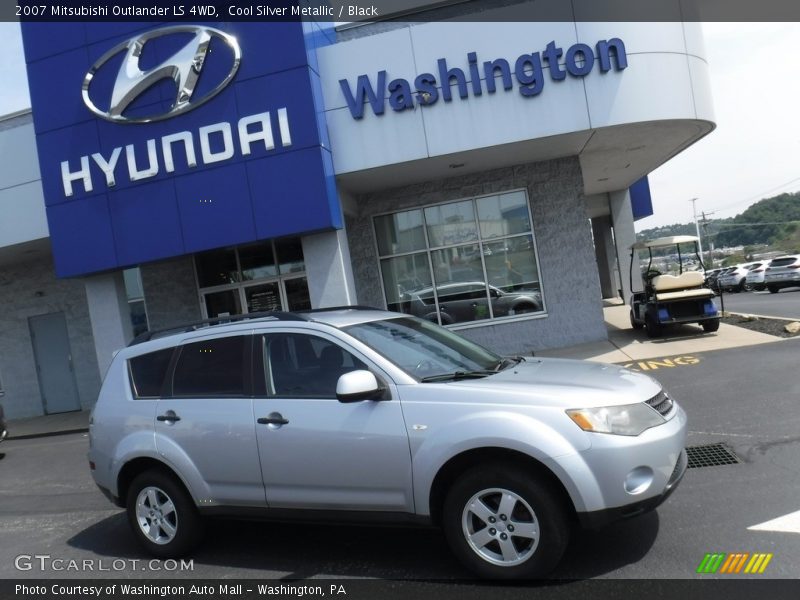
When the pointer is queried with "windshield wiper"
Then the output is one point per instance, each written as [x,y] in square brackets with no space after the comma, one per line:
[509,361]
[456,375]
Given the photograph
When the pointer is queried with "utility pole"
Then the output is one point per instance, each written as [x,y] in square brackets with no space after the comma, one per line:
[697,226]
[705,222]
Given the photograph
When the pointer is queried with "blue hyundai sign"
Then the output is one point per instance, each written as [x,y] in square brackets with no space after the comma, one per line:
[159,140]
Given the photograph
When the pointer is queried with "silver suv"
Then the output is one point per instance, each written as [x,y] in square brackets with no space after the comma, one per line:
[361,413]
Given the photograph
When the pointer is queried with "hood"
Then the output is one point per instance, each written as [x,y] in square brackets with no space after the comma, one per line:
[562,381]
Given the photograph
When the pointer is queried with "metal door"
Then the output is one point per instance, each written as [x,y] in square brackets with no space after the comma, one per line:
[316,452]
[54,363]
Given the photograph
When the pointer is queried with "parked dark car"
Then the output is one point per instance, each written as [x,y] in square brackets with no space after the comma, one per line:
[3,429]
[467,301]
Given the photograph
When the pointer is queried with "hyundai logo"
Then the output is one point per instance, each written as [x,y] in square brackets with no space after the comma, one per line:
[184,68]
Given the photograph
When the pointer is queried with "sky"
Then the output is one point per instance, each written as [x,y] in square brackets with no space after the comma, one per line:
[752,154]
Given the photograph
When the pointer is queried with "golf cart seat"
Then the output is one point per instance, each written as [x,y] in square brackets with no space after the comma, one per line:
[685,285]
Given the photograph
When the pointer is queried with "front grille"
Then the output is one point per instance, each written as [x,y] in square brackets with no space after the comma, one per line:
[661,402]
[711,455]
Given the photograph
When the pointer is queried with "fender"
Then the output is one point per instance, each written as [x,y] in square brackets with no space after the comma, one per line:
[507,430]
[172,455]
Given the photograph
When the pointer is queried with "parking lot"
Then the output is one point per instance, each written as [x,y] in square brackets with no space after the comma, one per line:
[785,304]
[49,505]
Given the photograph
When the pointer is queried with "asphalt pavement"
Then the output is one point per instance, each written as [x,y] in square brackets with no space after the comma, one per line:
[49,505]
[785,304]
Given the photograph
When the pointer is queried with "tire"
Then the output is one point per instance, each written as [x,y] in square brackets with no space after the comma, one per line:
[181,528]
[711,325]
[773,289]
[653,329]
[745,287]
[634,324]
[525,307]
[536,529]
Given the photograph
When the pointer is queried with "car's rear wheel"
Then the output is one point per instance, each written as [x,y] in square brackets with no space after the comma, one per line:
[162,515]
[634,323]
[503,524]
[773,289]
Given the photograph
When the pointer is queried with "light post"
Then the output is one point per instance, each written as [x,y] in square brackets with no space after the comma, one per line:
[697,228]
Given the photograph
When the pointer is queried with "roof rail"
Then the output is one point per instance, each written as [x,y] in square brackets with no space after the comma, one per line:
[346,307]
[276,315]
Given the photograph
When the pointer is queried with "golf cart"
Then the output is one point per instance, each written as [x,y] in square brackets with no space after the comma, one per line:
[671,299]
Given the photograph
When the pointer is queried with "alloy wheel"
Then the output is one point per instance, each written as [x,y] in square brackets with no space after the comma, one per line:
[500,527]
[156,515]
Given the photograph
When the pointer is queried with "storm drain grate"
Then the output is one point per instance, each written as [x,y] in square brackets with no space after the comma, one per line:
[710,455]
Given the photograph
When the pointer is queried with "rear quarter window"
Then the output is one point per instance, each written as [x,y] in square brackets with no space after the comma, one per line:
[147,373]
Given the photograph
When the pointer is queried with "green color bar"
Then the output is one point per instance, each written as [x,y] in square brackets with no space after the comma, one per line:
[704,563]
[715,565]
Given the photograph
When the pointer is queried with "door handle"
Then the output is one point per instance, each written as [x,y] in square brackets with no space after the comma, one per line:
[168,416]
[273,419]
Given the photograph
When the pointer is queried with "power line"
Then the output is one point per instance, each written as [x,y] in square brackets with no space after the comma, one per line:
[759,196]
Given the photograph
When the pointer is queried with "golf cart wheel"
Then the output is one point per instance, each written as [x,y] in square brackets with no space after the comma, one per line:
[710,325]
[773,289]
[634,323]
[652,328]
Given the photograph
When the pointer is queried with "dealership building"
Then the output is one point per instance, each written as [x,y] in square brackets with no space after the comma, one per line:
[485,175]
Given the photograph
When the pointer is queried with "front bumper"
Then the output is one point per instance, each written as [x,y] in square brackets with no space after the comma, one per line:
[598,519]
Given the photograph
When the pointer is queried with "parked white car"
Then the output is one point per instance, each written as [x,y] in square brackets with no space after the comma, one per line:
[734,280]
[755,276]
[782,273]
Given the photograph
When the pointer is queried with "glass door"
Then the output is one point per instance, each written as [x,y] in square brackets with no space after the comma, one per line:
[263,297]
[222,304]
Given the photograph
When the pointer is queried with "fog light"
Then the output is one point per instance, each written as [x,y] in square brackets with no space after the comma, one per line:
[638,480]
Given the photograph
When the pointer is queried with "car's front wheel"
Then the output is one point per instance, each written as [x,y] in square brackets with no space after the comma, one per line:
[501,523]
[162,515]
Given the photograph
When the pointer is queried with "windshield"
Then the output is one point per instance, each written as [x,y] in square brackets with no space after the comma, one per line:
[423,349]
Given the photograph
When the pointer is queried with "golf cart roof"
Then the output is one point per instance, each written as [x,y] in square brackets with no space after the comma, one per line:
[664,241]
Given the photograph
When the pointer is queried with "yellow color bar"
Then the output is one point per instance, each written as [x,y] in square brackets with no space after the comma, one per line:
[767,558]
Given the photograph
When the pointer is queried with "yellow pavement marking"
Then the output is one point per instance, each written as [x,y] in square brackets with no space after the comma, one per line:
[663,363]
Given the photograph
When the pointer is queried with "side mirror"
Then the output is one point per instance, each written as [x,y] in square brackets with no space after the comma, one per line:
[356,386]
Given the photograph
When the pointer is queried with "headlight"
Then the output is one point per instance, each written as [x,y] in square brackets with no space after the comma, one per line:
[629,419]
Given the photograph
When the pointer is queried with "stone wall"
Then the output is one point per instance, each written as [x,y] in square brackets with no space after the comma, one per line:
[170,293]
[570,282]
[28,289]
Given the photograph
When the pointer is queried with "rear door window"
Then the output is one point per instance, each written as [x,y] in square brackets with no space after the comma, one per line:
[213,368]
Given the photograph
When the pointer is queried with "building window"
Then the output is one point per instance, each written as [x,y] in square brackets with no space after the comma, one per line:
[464,261]
[260,277]
[135,293]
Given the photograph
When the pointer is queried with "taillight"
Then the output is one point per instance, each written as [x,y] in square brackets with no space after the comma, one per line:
[757,271]
[797,266]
